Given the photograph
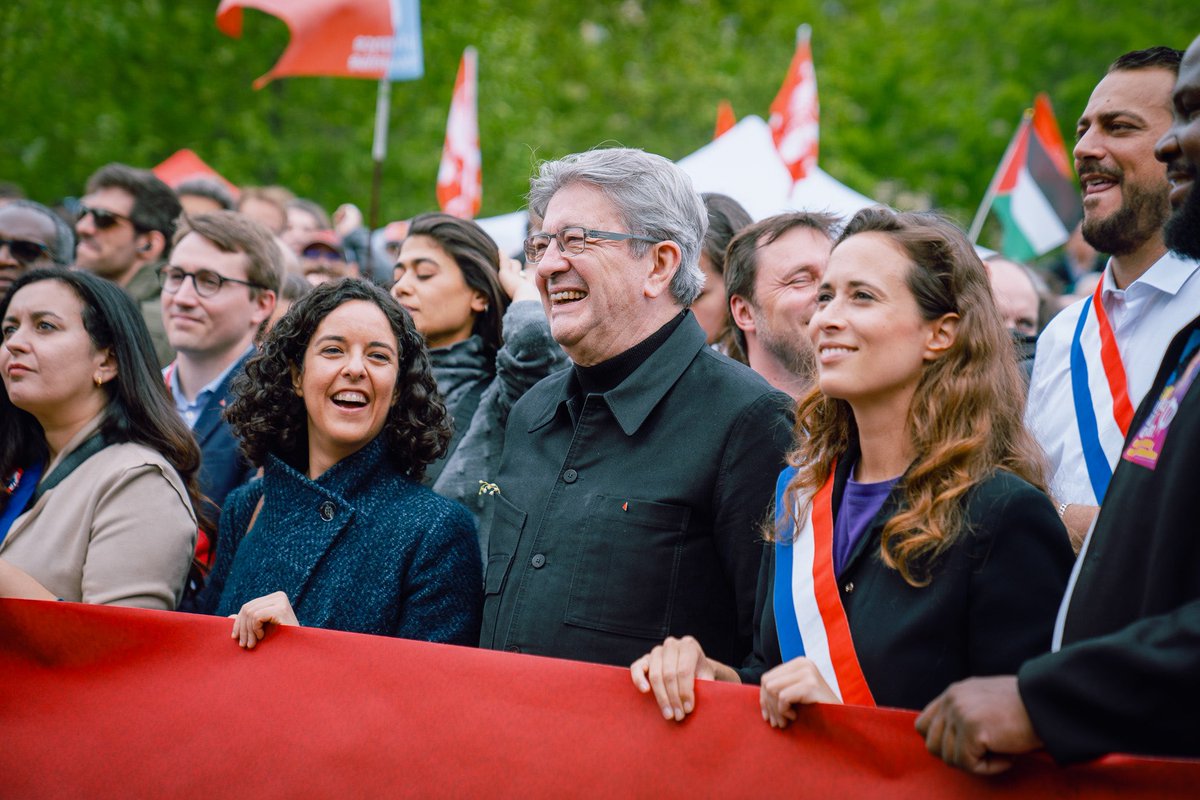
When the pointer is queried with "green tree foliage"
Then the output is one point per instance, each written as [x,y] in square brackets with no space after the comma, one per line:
[918,97]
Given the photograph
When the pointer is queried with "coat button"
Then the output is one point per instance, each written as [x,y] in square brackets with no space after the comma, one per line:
[538,561]
[849,587]
[326,511]
[512,648]
[570,476]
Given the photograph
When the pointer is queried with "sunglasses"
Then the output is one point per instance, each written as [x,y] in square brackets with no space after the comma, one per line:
[319,253]
[25,251]
[102,218]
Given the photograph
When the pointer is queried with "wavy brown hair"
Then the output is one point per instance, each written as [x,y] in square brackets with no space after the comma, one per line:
[965,419]
[270,418]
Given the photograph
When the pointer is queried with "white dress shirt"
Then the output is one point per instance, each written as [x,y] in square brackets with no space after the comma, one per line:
[1145,316]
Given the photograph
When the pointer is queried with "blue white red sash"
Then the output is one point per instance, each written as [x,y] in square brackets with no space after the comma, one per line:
[1100,391]
[808,609]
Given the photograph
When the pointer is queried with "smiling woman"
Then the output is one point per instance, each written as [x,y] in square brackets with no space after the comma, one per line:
[339,533]
[914,543]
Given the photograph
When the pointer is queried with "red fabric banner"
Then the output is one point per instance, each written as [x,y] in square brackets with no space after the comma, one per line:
[105,702]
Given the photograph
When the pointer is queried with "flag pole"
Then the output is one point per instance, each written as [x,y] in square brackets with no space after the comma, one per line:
[383,105]
[990,195]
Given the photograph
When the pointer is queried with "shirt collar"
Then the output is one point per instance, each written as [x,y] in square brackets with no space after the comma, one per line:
[171,372]
[632,401]
[1167,275]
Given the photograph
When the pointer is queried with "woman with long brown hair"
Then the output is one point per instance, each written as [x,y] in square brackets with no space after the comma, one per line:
[914,544]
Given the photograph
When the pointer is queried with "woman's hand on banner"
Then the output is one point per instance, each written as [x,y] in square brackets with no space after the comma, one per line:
[796,682]
[250,623]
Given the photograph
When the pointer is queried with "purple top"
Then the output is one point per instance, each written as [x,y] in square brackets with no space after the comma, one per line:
[860,503]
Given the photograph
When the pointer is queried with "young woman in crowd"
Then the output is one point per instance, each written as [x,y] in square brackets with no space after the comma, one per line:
[341,412]
[485,352]
[725,218]
[98,469]
[914,543]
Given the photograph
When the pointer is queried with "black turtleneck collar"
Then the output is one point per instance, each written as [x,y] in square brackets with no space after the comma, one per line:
[608,375]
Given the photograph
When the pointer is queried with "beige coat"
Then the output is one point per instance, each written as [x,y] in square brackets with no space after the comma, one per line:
[118,530]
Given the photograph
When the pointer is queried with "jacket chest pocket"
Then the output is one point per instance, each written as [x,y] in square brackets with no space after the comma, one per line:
[504,533]
[627,566]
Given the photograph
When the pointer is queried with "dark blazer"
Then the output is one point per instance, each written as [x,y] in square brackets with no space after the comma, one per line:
[363,548]
[990,603]
[1127,678]
[623,517]
[222,465]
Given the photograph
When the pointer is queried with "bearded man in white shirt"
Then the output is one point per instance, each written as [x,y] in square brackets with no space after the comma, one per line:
[1098,357]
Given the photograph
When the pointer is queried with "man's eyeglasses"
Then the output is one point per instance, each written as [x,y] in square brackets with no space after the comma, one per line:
[25,251]
[207,282]
[574,241]
[102,218]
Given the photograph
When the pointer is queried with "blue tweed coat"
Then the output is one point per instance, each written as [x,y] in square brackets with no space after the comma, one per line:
[362,548]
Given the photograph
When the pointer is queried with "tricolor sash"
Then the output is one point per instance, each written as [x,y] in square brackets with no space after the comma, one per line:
[1100,391]
[808,609]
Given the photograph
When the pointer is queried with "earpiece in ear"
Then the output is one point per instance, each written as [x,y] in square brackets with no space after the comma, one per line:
[144,248]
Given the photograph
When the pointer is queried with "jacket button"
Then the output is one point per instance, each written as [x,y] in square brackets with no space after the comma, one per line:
[849,587]
[326,510]
[538,561]
[570,476]
[512,648]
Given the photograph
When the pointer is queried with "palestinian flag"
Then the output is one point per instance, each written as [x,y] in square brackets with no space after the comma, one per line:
[1034,191]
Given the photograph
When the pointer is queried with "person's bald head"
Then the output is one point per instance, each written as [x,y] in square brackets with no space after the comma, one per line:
[1016,295]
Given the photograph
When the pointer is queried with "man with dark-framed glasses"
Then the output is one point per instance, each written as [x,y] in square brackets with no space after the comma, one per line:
[124,224]
[218,288]
[631,489]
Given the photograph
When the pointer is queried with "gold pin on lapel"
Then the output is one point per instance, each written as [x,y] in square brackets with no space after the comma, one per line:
[488,488]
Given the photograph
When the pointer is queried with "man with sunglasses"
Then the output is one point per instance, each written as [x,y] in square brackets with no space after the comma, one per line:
[125,224]
[31,236]
[218,289]
[631,488]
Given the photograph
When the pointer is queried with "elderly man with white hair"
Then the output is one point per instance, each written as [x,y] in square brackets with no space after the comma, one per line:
[632,486]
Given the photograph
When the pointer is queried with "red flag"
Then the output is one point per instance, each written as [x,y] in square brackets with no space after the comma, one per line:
[460,176]
[794,114]
[725,119]
[345,38]
[184,165]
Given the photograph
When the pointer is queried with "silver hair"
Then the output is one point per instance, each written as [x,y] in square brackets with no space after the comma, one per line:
[64,238]
[653,196]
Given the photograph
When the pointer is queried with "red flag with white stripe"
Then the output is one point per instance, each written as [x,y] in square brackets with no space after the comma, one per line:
[460,176]
[794,113]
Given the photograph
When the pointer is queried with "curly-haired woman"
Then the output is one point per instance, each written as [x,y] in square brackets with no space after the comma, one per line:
[340,410]
[915,544]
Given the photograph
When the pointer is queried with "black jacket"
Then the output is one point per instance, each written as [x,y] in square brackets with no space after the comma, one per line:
[990,603]
[1127,678]
[640,520]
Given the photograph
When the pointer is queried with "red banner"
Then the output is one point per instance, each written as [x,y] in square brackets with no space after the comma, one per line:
[103,702]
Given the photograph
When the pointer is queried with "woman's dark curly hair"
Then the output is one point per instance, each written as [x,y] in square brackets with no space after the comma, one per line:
[269,417]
